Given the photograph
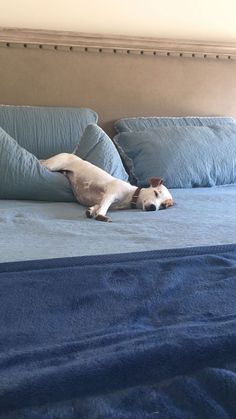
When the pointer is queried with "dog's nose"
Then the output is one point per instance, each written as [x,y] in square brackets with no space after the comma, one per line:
[151,207]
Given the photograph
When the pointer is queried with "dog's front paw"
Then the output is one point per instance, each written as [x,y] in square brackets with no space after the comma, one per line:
[101,217]
[93,212]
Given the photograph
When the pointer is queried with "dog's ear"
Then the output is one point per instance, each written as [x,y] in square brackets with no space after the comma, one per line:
[155,181]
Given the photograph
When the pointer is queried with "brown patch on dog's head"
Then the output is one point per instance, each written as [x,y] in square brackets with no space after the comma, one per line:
[155,181]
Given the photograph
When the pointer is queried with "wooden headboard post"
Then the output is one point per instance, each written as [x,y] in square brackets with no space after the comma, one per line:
[117,76]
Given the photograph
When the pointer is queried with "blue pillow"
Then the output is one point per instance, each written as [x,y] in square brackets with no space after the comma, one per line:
[185,157]
[143,123]
[96,147]
[46,131]
[23,177]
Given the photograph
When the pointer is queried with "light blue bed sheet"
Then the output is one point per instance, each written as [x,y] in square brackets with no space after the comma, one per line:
[42,230]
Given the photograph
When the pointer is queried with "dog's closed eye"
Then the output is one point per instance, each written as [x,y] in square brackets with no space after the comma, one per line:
[156,193]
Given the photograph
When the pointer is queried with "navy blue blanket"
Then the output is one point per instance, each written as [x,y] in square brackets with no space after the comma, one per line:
[141,335]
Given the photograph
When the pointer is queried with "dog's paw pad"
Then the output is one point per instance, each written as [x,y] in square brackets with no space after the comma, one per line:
[100,217]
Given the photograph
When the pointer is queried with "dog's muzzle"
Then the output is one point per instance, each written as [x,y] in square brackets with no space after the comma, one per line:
[151,207]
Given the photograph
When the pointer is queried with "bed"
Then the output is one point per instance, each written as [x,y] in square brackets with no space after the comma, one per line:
[134,318]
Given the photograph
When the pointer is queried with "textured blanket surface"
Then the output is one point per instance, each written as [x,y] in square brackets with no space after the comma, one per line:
[138,335]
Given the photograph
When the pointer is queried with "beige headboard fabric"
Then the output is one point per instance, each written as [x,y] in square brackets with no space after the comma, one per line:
[117,76]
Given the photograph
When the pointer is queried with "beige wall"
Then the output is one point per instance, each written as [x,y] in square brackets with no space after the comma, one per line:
[183,19]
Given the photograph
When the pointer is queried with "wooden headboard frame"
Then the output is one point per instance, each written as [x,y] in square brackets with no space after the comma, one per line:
[117,76]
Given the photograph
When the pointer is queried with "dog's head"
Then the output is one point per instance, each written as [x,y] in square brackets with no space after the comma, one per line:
[155,197]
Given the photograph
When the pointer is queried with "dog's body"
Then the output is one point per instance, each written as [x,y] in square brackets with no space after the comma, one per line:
[95,188]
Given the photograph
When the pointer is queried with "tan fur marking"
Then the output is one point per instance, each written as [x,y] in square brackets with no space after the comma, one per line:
[168,203]
[154,181]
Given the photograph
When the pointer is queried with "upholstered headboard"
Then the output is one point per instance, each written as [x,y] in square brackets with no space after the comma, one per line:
[117,76]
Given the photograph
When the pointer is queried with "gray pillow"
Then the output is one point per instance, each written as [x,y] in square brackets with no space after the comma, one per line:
[96,147]
[23,177]
[185,157]
[46,131]
[143,123]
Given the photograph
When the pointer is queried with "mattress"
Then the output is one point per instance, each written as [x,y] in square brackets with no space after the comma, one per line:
[42,230]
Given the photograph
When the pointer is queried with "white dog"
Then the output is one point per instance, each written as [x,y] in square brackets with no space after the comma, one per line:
[95,188]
